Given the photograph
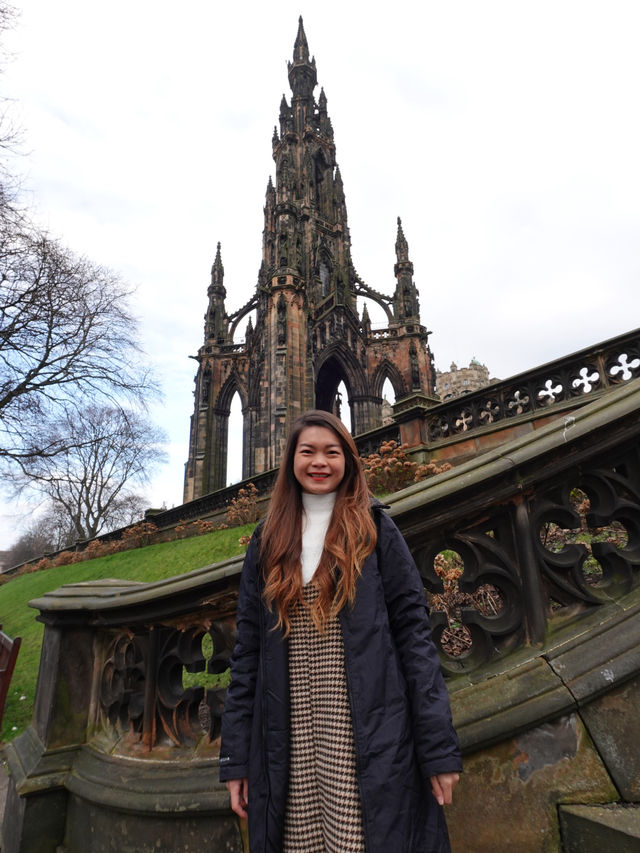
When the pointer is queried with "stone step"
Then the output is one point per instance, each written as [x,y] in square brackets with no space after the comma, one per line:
[611,828]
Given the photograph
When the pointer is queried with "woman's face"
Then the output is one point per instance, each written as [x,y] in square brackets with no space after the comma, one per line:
[318,460]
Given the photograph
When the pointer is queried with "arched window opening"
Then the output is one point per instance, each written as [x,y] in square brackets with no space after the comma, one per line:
[332,393]
[388,399]
[342,408]
[234,441]
[325,279]
[388,391]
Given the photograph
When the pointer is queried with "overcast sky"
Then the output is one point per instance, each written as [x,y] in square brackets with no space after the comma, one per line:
[505,134]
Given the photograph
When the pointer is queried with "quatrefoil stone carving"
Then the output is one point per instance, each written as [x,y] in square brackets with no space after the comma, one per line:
[464,420]
[519,403]
[625,367]
[490,411]
[586,379]
[550,392]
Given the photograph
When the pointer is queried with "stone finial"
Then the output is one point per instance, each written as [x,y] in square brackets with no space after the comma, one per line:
[217,270]
[402,247]
[301,47]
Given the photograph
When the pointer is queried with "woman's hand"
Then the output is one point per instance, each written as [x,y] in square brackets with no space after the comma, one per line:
[239,791]
[442,786]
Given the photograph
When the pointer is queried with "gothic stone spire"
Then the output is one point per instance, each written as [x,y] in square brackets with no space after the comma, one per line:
[306,337]
[405,299]
[302,73]
[216,321]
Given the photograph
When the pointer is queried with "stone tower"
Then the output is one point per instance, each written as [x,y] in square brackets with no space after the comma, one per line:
[308,336]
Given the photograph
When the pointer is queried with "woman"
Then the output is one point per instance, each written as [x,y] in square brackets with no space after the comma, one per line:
[336,732]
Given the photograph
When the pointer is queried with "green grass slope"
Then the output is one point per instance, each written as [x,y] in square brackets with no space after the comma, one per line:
[152,563]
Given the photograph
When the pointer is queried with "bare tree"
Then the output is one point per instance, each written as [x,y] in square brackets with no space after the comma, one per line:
[8,133]
[49,531]
[66,338]
[66,332]
[73,380]
[106,452]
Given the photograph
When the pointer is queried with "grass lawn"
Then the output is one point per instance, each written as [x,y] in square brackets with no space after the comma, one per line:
[142,564]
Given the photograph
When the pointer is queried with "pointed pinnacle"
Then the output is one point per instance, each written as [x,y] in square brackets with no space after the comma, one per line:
[300,47]
[402,247]
[217,270]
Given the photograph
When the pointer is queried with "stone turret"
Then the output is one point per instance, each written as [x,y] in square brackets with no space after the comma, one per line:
[405,299]
[216,320]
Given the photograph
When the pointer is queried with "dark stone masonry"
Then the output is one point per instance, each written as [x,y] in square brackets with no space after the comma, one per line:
[304,335]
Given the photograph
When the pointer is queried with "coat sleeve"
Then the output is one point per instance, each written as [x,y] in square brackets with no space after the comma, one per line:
[435,739]
[238,710]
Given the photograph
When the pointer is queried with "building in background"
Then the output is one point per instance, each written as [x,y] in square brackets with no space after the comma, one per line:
[462,380]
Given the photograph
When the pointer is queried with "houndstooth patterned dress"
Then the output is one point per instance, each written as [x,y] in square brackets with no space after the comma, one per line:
[323,813]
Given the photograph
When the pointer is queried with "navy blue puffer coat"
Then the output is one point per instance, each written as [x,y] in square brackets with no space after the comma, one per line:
[399,703]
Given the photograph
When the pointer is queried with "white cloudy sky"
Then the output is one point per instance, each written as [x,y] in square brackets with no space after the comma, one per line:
[506,135]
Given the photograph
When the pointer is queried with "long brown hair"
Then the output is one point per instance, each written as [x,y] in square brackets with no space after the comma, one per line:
[351,536]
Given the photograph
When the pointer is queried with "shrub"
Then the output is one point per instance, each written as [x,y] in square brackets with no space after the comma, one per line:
[137,536]
[430,469]
[390,469]
[65,558]
[203,526]
[94,549]
[244,508]
[181,530]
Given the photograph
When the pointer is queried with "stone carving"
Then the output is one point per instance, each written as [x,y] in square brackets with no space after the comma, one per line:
[171,712]
[608,364]
[591,571]
[485,562]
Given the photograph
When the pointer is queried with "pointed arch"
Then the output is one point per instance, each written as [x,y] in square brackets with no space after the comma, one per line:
[343,357]
[231,384]
[337,364]
[387,370]
[324,268]
[218,430]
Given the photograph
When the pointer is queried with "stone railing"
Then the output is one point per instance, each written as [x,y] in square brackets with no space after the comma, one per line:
[125,735]
[570,381]
[503,514]
[213,502]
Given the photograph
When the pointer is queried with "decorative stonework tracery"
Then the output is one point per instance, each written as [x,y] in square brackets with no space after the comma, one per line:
[143,695]
[565,381]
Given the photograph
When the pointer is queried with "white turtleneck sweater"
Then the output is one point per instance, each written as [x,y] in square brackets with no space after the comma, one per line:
[315,523]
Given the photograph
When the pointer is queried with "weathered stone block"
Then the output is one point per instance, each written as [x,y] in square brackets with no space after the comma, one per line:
[613,721]
[93,828]
[599,829]
[508,794]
